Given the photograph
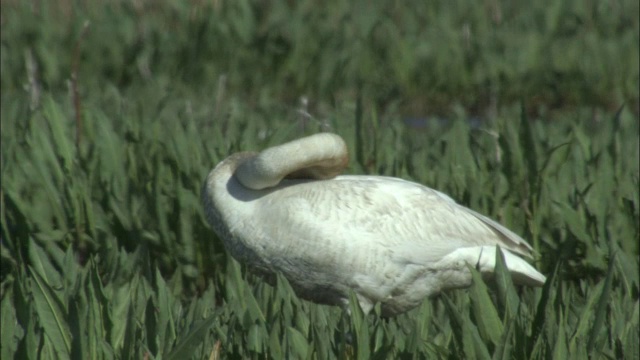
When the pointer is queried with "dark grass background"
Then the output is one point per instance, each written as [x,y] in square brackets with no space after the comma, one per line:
[113,112]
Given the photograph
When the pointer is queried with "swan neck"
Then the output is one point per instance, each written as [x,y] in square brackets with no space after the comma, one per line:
[320,156]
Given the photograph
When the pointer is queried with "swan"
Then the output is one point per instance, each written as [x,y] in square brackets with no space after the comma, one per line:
[390,241]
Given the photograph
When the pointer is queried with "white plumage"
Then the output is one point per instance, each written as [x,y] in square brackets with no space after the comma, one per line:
[389,240]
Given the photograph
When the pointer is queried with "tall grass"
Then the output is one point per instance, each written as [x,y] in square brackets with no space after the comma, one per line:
[524,112]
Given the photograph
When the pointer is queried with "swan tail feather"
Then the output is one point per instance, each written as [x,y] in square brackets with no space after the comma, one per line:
[484,259]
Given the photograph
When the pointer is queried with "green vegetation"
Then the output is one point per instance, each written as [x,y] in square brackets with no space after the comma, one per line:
[526,112]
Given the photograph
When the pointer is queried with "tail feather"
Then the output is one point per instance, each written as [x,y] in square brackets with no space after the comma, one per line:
[484,258]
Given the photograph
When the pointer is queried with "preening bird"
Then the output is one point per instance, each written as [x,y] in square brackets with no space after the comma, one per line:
[287,209]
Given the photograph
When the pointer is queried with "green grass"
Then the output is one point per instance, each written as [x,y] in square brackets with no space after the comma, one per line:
[524,112]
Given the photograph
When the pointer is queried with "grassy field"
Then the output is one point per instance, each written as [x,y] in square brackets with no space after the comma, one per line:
[114,112]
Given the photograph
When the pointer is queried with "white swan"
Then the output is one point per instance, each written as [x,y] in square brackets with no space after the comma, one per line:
[389,240]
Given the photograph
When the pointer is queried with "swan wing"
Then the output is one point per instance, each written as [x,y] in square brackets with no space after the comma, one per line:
[506,238]
[357,224]
[434,208]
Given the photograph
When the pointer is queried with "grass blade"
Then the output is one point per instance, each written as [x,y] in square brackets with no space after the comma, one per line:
[601,309]
[188,344]
[486,315]
[12,331]
[51,315]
